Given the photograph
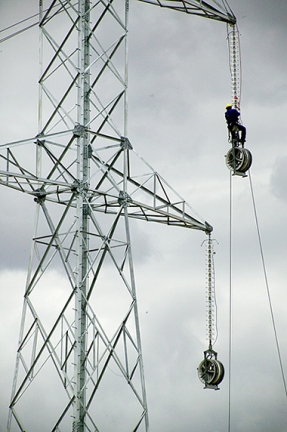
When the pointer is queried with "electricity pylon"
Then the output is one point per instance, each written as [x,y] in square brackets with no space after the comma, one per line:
[79,361]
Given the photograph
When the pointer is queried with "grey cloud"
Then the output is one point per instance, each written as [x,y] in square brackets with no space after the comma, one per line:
[278,179]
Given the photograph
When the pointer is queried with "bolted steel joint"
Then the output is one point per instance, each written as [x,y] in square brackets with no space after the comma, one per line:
[39,142]
[79,130]
[86,209]
[124,199]
[125,144]
[75,188]
[40,195]
[79,187]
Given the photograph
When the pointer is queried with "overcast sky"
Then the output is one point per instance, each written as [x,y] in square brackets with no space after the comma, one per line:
[179,84]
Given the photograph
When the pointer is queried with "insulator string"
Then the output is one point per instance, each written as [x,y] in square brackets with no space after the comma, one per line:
[211,306]
[235,65]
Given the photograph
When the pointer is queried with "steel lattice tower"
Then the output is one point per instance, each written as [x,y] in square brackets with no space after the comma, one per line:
[78,346]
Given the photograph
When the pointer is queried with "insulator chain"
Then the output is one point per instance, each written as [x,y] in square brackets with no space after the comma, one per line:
[210,369]
[238,158]
[210,294]
[235,66]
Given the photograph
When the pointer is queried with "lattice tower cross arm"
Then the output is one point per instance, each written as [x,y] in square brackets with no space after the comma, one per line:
[219,12]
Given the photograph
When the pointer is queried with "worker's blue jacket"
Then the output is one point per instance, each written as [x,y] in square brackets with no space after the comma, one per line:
[232,115]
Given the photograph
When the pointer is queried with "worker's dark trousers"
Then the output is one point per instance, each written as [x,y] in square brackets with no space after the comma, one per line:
[241,128]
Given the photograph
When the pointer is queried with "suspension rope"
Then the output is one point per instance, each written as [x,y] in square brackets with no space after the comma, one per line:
[230,297]
[267,287]
[16,33]
[230,305]
[19,22]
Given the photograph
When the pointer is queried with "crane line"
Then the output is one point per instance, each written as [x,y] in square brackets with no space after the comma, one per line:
[22,30]
[267,288]
[230,296]
[239,161]
[230,305]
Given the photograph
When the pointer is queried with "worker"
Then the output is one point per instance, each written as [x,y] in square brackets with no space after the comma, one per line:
[232,119]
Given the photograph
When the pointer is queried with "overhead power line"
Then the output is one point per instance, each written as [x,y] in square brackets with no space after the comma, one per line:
[17,32]
[19,22]
[268,290]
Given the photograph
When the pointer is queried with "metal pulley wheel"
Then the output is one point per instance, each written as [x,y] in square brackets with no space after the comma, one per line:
[238,159]
[220,372]
[211,372]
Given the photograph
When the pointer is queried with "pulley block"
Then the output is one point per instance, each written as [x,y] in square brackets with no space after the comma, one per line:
[238,160]
[211,370]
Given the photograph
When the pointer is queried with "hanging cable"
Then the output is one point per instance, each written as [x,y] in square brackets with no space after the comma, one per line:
[267,287]
[230,298]
[16,33]
[19,22]
[230,304]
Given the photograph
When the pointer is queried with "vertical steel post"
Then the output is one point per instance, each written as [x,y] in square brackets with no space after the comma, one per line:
[82,246]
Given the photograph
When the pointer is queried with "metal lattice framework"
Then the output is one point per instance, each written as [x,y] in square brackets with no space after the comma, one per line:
[79,345]
[216,10]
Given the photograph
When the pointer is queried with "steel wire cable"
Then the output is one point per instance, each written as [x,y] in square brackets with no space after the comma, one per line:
[230,297]
[230,305]
[19,22]
[267,287]
[230,218]
[16,33]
